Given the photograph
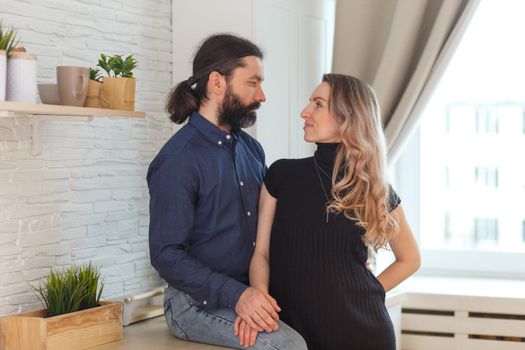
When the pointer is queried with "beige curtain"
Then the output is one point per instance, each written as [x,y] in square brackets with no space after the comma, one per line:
[401,47]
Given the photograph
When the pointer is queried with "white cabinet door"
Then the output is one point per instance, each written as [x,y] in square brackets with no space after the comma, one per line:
[276,32]
[315,32]
[295,35]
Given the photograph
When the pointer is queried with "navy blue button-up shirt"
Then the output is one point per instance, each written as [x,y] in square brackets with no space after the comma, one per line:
[204,191]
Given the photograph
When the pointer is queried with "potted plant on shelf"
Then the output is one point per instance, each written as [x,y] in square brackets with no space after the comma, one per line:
[7,43]
[119,86]
[94,89]
[74,317]
[7,39]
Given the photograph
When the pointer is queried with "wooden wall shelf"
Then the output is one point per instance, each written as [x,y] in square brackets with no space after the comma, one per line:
[9,107]
[40,113]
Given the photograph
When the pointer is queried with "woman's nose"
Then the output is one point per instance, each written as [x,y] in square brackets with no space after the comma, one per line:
[305,113]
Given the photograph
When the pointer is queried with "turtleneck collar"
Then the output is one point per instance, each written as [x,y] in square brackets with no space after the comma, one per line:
[325,154]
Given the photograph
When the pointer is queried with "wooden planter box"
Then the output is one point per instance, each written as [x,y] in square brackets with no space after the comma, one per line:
[76,330]
[118,93]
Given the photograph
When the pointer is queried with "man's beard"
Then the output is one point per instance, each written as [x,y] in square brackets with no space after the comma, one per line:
[235,113]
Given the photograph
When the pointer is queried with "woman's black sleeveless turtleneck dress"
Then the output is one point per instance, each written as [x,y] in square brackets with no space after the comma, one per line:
[318,271]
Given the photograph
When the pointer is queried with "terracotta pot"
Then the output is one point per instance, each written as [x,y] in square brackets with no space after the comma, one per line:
[118,93]
[94,93]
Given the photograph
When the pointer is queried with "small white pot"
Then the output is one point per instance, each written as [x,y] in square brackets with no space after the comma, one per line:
[21,77]
[3,68]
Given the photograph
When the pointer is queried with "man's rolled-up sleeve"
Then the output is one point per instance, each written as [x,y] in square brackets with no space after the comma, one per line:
[173,188]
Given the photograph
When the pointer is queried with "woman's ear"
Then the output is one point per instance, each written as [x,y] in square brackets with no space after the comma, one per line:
[216,83]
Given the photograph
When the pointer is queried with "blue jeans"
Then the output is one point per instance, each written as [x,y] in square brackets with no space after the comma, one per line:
[188,321]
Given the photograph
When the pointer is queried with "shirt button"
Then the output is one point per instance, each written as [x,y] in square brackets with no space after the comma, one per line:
[204,302]
[220,143]
[253,244]
[241,183]
[248,213]
[228,137]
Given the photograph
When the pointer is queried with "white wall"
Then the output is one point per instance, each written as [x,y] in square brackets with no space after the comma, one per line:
[85,197]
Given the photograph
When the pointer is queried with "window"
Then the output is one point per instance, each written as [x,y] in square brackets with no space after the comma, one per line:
[466,203]
[459,117]
[486,176]
[446,223]
[446,175]
[485,231]
[523,118]
[486,120]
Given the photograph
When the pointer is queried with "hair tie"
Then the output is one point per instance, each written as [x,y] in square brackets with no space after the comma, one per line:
[191,81]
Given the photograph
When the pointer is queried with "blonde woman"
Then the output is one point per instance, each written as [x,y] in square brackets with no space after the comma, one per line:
[316,217]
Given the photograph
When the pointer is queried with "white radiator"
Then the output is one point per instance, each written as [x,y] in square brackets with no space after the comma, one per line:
[459,322]
[143,306]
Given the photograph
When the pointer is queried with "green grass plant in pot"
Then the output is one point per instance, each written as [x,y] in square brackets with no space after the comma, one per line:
[73,289]
[74,317]
[7,39]
[118,91]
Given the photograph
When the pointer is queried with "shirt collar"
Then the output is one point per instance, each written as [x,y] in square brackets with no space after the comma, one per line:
[211,132]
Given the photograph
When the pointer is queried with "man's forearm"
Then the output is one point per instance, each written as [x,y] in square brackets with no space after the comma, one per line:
[187,274]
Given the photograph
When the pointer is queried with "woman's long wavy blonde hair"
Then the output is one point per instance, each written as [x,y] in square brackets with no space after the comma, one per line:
[360,188]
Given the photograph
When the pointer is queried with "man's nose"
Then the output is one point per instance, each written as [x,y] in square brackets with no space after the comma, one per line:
[261,97]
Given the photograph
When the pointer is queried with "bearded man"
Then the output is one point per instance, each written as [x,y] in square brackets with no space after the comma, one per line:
[204,191]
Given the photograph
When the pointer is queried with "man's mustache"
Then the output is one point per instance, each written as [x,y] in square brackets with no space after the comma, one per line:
[253,106]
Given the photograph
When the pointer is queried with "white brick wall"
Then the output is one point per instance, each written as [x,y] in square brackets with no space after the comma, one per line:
[85,196]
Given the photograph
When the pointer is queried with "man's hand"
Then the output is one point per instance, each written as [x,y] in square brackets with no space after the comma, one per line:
[247,335]
[259,310]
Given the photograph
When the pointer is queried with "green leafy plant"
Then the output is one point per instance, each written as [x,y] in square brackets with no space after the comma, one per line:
[94,74]
[103,62]
[7,39]
[72,289]
[120,67]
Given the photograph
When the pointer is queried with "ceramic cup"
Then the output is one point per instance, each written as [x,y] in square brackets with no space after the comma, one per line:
[72,85]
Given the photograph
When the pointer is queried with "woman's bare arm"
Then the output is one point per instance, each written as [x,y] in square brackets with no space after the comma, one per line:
[406,252]
[260,264]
